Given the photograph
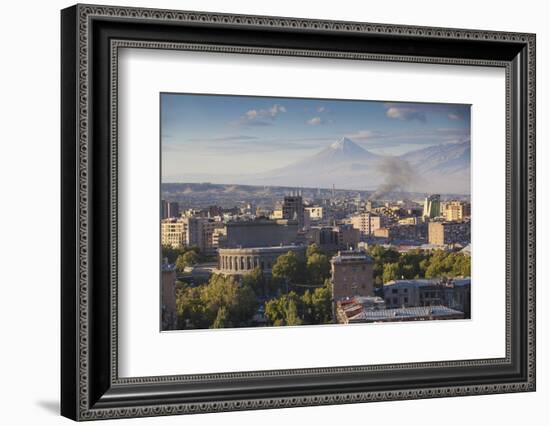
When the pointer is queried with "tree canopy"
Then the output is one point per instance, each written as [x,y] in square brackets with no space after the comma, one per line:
[288,267]
[189,258]
[222,302]
[390,265]
[312,307]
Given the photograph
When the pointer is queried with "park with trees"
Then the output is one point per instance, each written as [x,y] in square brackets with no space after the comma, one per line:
[299,290]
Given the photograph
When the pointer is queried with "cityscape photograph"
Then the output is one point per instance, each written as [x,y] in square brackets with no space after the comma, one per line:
[279,211]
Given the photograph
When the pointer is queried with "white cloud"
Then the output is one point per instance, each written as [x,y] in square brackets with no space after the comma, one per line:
[315,121]
[405,113]
[420,112]
[362,135]
[260,116]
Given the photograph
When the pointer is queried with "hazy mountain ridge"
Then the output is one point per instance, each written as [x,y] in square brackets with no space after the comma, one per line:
[439,168]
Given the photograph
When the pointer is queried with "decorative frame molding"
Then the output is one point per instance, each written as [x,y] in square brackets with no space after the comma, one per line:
[91,37]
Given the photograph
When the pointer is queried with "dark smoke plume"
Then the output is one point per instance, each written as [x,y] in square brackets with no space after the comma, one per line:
[398,176]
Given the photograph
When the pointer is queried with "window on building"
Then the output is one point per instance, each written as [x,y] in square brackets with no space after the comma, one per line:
[394,291]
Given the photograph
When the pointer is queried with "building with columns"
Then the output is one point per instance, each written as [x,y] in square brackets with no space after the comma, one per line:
[240,261]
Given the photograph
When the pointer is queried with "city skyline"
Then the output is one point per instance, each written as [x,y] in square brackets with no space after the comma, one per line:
[219,138]
[284,212]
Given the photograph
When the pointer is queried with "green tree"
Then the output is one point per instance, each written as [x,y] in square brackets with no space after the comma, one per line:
[285,310]
[291,313]
[191,309]
[322,304]
[221,302]
[318,267]
[256,281]
[312,249]
[171,253]
[247,304]
[381,257]
[443,264]
[220,291]
[288,267]
[222,320]
[391,272]
[189,258]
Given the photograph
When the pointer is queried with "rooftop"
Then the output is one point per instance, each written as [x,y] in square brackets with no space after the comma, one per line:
[350,256]
[269,249]
[429,282]
[421,312]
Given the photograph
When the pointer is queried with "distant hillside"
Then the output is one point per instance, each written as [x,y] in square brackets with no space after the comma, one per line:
[441,168]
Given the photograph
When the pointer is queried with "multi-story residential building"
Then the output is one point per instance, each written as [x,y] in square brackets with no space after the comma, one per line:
[293,209]
[452,293]
[432,206]
[169,209]
[219,236]
[173,232]
[168,296]
[277,214]
[443,233]
[315,213]
[348,237]
[190,231]
[328,238]
[367,222]
[455,210]
[412,220]
[416,233]
[200,232]
[352,275]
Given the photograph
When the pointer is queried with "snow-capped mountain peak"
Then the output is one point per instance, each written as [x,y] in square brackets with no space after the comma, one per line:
[343,144]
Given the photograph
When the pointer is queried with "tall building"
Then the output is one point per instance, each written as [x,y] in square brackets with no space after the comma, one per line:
[190,231]
[352,275]
[432,206]
[168,296]
[443,233]
[173,232]
[367,222]
[455,210]
[407,232]
[315,213]
[169,209]
[293,209]
[200,233]
[339,237]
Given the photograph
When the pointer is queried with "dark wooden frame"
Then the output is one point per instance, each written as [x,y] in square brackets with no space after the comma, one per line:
[90,386]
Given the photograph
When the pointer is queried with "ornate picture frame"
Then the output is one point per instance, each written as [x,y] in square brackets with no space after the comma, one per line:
[91,37]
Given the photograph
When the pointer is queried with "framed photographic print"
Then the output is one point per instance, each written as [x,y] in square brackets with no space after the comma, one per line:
[263,212]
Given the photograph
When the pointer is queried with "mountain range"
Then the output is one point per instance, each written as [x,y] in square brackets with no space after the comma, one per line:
[443,168]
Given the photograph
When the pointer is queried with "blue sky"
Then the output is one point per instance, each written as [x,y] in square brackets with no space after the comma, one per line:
[211,135]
